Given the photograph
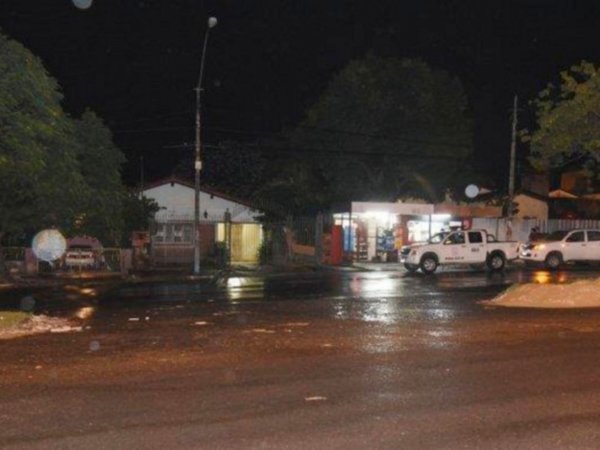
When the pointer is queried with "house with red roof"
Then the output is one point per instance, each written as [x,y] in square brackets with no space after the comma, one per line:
[172,233]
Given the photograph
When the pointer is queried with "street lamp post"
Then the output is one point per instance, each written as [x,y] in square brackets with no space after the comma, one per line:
[212,21]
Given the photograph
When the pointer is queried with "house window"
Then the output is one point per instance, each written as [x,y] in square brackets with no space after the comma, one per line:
[160,233]
[187,233]
[173,232]
[169,233]
[177,232]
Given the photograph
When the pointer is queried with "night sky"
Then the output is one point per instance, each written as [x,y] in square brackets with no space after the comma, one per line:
[136,62]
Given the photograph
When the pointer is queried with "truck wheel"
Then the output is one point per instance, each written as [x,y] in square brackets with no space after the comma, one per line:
[553,260]
[410,267]
[428,264]
[496,261]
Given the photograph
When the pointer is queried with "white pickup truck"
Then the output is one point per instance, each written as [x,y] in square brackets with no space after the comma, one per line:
[563,246]
[472,247]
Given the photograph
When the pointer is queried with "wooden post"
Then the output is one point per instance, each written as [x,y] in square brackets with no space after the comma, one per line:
[319,239]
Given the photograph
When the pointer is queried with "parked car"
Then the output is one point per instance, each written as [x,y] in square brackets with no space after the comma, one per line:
[563,246]
[80,256]
[473,247]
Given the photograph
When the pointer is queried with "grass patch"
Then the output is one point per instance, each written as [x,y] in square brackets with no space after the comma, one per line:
[10,319]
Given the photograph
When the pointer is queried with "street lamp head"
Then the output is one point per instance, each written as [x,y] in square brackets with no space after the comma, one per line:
[82,4]
[212,22]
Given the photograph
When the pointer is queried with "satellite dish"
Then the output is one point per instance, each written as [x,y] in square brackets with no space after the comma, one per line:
[49,245]
[82,4]
[472,191]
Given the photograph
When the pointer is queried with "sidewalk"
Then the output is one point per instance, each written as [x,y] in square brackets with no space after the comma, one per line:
[166,275]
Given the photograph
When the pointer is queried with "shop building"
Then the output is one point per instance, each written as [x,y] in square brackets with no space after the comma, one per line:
[376,231]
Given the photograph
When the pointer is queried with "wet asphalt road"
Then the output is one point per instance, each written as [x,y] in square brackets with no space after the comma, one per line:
[334,360]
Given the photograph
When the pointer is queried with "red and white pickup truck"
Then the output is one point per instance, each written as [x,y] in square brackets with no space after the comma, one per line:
[472,247]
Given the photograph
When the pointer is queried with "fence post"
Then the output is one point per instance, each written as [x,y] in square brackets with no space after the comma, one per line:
[125,261]
[319,239]
[227,255]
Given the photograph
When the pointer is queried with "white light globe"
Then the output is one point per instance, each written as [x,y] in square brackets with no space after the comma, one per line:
[82,4]
[472,191]
[212,22]
[49,245]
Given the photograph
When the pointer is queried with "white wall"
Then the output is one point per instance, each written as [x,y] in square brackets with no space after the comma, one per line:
[177,203]
[531,208]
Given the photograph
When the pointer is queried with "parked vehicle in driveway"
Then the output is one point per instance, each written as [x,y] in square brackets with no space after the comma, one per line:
[80,256]
[563,246]
[473,247]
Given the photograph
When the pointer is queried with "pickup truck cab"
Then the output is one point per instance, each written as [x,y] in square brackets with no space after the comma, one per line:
[472,247]
[563,246]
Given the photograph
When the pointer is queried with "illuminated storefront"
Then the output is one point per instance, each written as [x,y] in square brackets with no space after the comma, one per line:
[375,231]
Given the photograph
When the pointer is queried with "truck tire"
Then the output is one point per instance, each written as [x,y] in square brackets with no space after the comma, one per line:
[429,263]
[411,268]
[496,261]
[553,260]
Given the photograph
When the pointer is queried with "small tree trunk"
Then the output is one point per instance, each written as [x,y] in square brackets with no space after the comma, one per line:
[319,239]
[3,271]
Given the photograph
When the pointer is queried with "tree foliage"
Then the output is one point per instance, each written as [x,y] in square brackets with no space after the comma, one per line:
[567,118]
[39,177]
[100,162]
[384,128]
[137,214]
[55,171]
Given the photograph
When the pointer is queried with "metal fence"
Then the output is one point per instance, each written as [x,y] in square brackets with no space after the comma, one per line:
[304,230]
[102,259]
[14,253]
[519,229]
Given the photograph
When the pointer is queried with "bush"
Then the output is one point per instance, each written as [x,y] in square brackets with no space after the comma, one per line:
[265,252]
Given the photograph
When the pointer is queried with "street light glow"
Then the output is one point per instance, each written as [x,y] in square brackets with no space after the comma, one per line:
[82,4]
[212,22]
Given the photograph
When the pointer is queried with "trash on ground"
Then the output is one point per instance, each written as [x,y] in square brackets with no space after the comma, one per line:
[65,329]
[315,398]
[39,324]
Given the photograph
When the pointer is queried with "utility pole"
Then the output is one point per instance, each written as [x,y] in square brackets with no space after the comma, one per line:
[212,21]
[141,176]
[513,157]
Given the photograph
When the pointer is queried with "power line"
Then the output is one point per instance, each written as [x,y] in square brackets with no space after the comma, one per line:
[327,130]
[380,136]
[289,150]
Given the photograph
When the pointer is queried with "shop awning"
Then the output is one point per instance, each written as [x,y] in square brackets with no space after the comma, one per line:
[409,209]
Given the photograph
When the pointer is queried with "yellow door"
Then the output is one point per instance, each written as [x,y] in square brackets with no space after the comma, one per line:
[245,242]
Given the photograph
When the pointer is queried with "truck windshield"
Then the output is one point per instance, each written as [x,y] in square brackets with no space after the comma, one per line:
[437,238]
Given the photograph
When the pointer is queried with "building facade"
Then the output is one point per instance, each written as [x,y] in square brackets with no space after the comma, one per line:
[172,233]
